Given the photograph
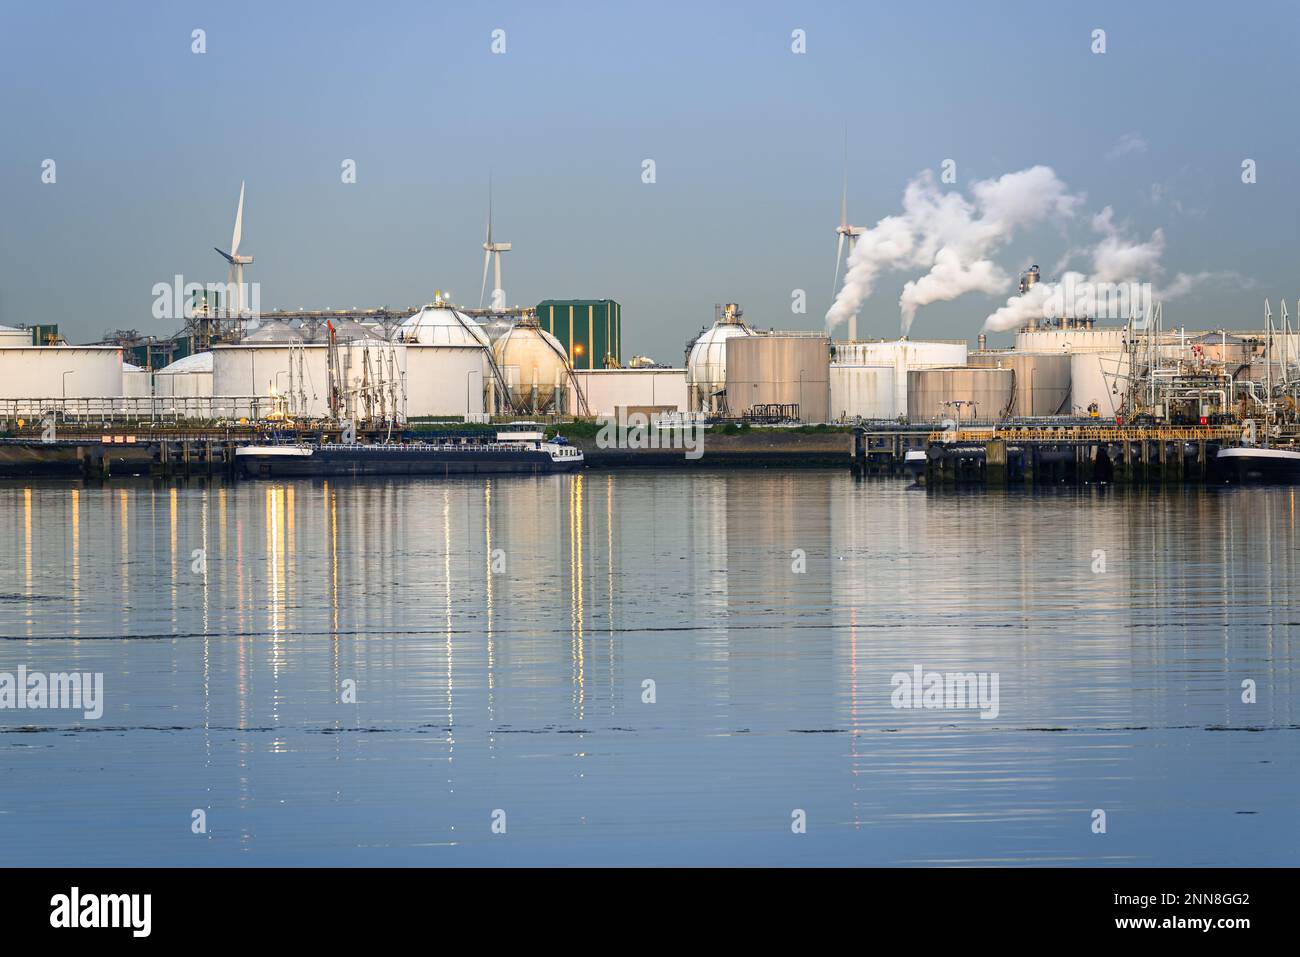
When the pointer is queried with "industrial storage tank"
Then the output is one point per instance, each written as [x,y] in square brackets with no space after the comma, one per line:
[533,363]
[437,324]
[958,395]
[137,383]
[706,360]
[9,336]
[863,392]
[190,377]
[1100,377]
[1042,383]
[296,376]
[779,369]
[1078,339]
[447,368]
[55,372]
[903,355]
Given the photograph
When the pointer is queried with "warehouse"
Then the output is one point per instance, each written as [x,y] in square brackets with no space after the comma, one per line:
[608,390]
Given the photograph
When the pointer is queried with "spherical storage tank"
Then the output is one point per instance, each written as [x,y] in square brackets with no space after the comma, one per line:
[706,360]
[1042,382]
[533,363]
[779,369]
[985,394]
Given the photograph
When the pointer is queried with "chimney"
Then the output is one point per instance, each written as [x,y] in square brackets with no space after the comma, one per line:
[983,342]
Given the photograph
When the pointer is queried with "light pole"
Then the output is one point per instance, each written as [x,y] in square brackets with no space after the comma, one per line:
[801,373]
[66,373]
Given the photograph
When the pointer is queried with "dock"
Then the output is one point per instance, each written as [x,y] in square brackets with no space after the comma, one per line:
[999,456]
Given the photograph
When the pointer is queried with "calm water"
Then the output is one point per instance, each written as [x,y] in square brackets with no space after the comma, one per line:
[521,689]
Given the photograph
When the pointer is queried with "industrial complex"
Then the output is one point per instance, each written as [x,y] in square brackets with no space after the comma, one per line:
[562,360]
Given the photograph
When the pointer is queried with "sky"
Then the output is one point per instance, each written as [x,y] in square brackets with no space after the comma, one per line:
[152,140]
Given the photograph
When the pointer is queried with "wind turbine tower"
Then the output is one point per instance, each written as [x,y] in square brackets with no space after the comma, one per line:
[491,249]
[237,262]
[845,231]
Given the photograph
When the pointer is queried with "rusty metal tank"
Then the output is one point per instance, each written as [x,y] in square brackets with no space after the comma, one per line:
[780,369]
[961,394]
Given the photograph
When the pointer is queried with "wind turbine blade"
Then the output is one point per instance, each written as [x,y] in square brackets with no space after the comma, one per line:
[487,257]
[226,256]
[839,258]
[239,223]
[489,234]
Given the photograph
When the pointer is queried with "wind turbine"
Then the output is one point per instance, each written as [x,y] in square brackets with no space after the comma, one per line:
[489,247]
[237,262]
[845,231]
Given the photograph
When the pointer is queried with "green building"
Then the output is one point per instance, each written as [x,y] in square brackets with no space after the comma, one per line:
[589,329]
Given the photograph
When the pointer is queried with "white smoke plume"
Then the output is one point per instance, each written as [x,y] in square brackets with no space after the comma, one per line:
[951,237]
[1116,258]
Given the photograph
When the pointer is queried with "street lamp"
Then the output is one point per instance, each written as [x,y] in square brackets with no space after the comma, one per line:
[66,373]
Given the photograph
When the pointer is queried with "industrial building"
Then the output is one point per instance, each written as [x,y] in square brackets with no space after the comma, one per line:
[589,330]
[608,390]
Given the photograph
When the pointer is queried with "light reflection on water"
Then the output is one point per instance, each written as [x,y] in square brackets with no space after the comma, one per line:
[499,633]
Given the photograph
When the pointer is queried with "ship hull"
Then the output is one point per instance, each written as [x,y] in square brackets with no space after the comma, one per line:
[361,462]
[1250,466]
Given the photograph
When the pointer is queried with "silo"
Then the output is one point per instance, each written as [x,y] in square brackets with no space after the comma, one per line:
[1100,377]
[779,369]
[904,355]
[863,392]
[189,377]
[1042,383]
[960,394]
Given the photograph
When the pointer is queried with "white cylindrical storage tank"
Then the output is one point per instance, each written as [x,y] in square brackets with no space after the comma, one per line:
[447,368]
[1062,341]
[137,383]
[863,392]
[187,378]
[1100,377]
[9,336]
[53,372]
[779,369]
[297,376]
[903,355]
[965,394]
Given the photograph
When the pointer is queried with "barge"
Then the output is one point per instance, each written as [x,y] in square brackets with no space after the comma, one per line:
[512,452]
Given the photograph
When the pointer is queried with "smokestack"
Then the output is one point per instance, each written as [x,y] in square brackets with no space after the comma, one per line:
[983,341]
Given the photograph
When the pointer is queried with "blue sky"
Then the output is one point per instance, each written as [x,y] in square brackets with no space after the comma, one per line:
[151,142]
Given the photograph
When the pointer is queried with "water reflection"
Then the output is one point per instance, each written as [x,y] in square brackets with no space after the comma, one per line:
[500,633]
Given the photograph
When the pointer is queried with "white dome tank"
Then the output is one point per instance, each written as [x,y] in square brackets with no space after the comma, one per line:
[9,336]
[706,363]
[530,357]
[438,324]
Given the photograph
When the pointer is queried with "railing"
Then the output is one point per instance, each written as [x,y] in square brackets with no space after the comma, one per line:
[1094,434]
[143,408]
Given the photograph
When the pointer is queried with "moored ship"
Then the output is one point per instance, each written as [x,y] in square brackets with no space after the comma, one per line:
[510,452]
[1250,464]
